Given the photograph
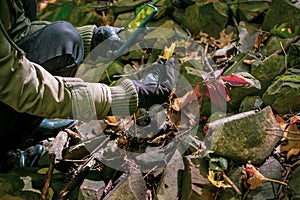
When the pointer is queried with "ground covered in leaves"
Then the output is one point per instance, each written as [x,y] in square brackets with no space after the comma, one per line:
[239,68]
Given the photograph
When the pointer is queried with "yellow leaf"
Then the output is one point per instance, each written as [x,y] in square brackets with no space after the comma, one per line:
[45,170]
[217,183]
[168,52]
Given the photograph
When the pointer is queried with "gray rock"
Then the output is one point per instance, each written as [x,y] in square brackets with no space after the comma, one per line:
[247,35]
[91,189]
[270,169]
[164,8]
[243,137]
[273,44]
[295,184]
[251,103]
[235,177]
[283,94]
[237,94]
[251,10]
[282,11]
[196,185]
[130,187]
[170,186]
[126,5]
[268,70]
[294,55]
[210,17]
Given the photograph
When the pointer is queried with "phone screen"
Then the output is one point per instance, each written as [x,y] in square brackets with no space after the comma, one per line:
[143,16]
[135,25]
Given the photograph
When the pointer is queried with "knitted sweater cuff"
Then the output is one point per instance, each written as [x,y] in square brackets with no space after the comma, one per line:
[124,98]
[86,33]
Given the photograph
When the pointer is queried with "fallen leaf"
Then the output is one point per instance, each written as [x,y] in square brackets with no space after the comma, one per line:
[45,171]
[294,119]
[28,185]
[168,52]
[234,80]
[256,178]
[292,152]
[218,183]
[111,120]
[290,133]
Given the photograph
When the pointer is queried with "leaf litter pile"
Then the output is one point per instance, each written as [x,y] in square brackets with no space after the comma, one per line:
[160,131]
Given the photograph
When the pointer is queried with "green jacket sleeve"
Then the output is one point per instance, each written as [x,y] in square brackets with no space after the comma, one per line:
[27,87]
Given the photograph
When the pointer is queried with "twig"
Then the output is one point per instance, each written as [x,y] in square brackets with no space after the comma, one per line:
[281,50]
[232,184]
[48,177]
[149,172]
[76,181]
[278,129]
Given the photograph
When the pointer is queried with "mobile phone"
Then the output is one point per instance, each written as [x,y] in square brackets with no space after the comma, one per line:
[135,25]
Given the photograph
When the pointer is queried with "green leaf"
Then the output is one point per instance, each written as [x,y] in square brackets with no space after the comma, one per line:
[194,71]
[282,31]
[218,164]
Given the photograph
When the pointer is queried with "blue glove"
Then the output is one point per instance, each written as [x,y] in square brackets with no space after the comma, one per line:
[109,35]
[156,87]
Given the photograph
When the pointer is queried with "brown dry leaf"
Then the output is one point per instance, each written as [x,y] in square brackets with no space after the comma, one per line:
[292,144]
[257,178]
[176,105]
[224,39]
[292,152]
[282,124]
[111,120]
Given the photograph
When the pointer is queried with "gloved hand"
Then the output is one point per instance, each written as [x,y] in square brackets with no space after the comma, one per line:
[108,35]
[111,39]
[156,87]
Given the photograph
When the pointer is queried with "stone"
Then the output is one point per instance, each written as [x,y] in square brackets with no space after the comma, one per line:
[91,189]
[270,169]
[210,17]
[251,10]
[196,185]
[295,183]
[283,94]
[243,137]
[294,55]
[164,8]
[273,44]
[126,5]
[282,11]
[271,67]
[247,35]
[251,103]
[130,187]
[170,186]
[235,176]
[237,94]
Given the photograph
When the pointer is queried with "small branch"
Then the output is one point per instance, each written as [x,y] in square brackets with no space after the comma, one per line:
[232,184]
[278,129]
[48,177]
[75,182]
[281,50]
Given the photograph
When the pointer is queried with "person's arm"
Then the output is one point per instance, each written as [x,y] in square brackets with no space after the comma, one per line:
[29,88]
